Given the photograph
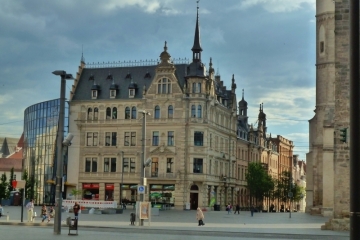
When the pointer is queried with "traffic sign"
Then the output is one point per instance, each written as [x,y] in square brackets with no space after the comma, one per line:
[141,189]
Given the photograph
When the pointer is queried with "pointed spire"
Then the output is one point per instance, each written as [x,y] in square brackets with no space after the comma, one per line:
[242,94]
[197,45]
[82,54]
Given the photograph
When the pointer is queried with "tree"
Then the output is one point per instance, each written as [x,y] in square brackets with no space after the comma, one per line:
[28,185]
[282,186]
[10,187]
[76,192]
[259,182]
[3,187]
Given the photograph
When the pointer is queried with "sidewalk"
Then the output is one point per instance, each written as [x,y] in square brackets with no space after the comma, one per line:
[299,223]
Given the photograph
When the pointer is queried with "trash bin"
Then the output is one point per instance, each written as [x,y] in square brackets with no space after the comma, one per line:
[73,226]
[216,207]
[17,199]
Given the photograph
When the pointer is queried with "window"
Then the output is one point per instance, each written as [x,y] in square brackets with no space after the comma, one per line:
[106,164]
[130,139]
[131,93]
[90,114]
[193,111]
[110,138]
[154,167]
[210,166]
[169,162]
[108,113]
[196,88]
[155,138]
[126,164]
[114,113]
[112,93]
[96,113]
[133,138]
[157,112]
[91,164]
[133,112]
[92,139]
[94,94]
[170,138]
[170,111]
[127,113]
[322,47]
[198,138]
[132,165]
[164,86]
[199,115]
[210,140]
[198,165]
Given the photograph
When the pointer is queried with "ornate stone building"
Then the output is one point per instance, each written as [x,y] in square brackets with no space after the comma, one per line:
[328,156]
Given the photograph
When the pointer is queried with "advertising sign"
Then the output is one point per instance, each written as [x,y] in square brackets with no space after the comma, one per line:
[144,210]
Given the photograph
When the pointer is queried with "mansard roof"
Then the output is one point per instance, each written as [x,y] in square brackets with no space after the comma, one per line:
[139,76]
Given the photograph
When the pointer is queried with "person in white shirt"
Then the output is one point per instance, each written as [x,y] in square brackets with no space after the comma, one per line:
[30,210]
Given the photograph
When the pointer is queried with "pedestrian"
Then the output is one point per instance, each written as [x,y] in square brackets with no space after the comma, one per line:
[252,210]
[200,217]
[44,214]
[1,210]
[76,209]
[237,209]
[30,210]
[228,208]
[51,213]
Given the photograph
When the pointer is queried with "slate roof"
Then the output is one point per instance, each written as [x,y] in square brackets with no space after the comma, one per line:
[123,77]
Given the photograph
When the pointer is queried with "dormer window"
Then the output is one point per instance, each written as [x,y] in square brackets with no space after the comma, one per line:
[164,86]
[112,93]
[131,93]
[94,94]
[196,87]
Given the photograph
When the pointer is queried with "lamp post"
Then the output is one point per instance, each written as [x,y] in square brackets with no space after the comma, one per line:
[59,151]
[142,174]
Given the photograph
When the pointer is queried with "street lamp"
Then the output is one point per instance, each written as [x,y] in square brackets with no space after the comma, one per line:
[59,151]
[143,165]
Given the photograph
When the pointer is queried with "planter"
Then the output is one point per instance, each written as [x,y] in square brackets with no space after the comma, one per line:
[109,211]
[85,211]
[5,202]
[119,210]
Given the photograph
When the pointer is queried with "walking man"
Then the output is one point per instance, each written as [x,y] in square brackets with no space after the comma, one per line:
[30,210]
[76,209]
[237,209]
[252,210]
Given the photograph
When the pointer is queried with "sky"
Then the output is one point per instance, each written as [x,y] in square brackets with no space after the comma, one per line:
[269,46]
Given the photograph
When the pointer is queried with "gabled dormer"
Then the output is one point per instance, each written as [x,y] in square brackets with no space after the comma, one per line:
[95,91]
[113,90]
[132,89]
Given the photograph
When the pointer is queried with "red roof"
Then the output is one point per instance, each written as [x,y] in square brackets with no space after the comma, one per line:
[6,164]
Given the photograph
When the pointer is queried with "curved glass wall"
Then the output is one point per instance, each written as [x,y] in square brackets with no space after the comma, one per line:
[40,132]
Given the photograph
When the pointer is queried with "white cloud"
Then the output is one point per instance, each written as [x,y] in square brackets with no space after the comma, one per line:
[277,5]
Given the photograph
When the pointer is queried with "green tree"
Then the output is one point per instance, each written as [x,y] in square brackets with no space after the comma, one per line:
[3,187]
[10,187]
[259,182]
[282,186]
[28,185]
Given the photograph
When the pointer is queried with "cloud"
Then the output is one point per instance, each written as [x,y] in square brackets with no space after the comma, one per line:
[276,6]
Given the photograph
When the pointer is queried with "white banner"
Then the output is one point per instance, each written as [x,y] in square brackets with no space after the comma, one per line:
[90,203]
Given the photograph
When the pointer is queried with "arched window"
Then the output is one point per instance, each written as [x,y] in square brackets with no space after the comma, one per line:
[199,115]
[89,115]
[194,188]
[193,111]
[170,111]
[164,86]
[114,113]
[133,112]
[108,113]
[96,113]
[157,112]
[127,113]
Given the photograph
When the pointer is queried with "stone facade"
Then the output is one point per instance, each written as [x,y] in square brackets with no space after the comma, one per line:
[328,156]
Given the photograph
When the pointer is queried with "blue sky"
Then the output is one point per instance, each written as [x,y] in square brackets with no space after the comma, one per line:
[269,45]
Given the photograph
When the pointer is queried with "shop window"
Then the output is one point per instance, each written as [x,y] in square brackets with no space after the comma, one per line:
[155,167]
[157,112]
[170,111]
[155,138]
[198,165]
[92,139]
[170,138]
[91,191]
[198,138]
[169,163]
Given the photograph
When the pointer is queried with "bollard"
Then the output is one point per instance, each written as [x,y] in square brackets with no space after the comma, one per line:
[7,217]
[132,219]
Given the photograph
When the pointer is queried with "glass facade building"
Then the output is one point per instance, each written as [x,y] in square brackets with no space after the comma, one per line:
[40,133]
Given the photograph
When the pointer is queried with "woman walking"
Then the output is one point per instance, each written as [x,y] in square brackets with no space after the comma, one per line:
[200,217]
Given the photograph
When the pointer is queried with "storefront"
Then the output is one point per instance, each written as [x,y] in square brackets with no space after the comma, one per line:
[162,196]
[91,191]
[109,192]
[129,193]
